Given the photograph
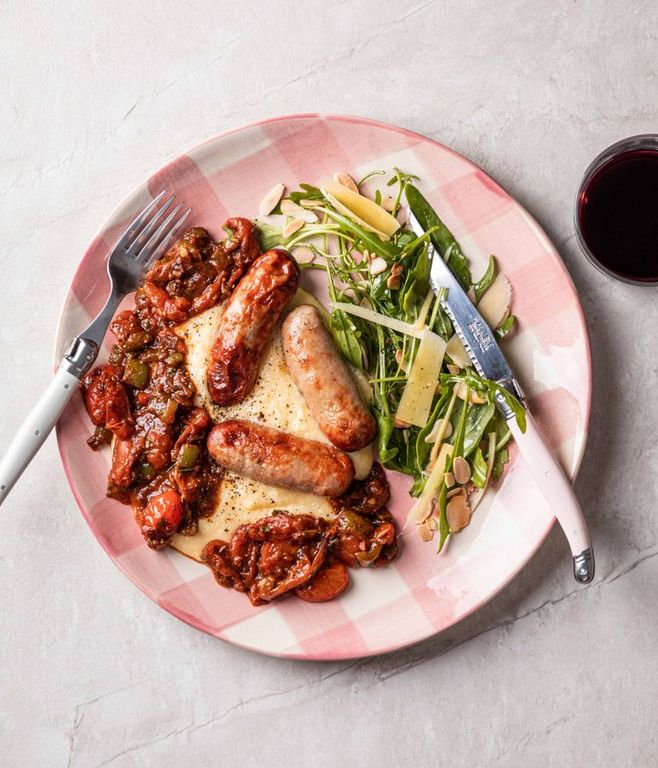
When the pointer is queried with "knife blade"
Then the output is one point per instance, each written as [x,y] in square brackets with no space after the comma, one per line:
[490,363]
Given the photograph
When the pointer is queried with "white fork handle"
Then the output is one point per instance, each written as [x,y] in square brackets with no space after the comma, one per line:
[557,490]
[35,429]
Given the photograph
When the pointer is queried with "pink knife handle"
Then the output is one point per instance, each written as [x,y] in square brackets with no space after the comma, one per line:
[556,489]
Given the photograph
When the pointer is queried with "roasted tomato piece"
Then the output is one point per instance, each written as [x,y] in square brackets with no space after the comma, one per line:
[173,308]
[216,556]
[365,497]
[130,334]
[330,582]
[308,561]
[161,518]
[107,401]
[285,526]
[237,252]
[124,455]
[196,426]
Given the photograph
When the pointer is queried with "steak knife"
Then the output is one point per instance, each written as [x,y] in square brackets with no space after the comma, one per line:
[488,360]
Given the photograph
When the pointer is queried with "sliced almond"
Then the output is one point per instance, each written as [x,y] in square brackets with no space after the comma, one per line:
[269,202]
[399,424]
[402,215]
[450,479]
[454,492]
[397,269]
[399,359]
[394,282]
[378,265]
[470,292]
[473,397]
[461,470]
[346,180]
[290,208]
[307,203]
[388,203]
[303,254]
[441,427]
[350,293]
[453,369]
[458,512]
[291,227]
[365,302]
[426,529]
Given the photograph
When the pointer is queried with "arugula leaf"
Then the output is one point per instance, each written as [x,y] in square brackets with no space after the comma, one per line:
[308,192]
[424,449]
[269,236]
[386,424]
[504,329]
[477,421]
[345,337]
[442,237]
[514,404]
[416,283]
[502,457]
[478,469]
[444,528]
[485,281]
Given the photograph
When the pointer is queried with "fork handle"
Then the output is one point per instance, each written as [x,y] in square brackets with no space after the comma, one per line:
[42,418]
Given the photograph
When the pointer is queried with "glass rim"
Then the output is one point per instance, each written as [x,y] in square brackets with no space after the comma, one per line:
[639,141]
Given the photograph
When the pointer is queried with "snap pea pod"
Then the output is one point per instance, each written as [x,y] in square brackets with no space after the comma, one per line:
[442,237]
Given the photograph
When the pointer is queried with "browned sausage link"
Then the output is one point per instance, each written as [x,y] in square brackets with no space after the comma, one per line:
[325,381]
[248,320]
[277,458]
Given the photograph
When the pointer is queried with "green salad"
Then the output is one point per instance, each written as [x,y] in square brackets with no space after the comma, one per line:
[437,418]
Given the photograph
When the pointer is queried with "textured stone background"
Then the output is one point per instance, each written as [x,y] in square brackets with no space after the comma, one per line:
[97,95]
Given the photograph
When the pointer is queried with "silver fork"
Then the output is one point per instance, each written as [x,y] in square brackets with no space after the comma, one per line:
[145,240]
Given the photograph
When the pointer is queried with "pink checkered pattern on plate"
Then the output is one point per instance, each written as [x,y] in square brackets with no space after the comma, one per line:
[420,594]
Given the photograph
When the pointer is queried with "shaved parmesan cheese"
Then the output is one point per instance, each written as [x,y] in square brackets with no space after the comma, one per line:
[351,215]
[363,207]
[416,401]
[422,507]
[456,352]
[375,317]
[495,305]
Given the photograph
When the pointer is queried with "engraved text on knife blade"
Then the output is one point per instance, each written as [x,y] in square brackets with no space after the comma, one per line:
[480,335]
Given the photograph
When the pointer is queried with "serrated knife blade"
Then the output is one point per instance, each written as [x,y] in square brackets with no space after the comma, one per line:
[488,360]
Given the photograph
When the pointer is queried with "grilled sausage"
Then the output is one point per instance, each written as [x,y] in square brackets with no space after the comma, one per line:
[247,323]
[278,458]
[325,381]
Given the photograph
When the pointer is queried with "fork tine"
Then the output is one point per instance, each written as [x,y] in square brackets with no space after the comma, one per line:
[166,240]
[154,240]
[137,222]
[141,237]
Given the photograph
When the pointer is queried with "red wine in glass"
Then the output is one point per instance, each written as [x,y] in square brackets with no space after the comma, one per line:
[617,210]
